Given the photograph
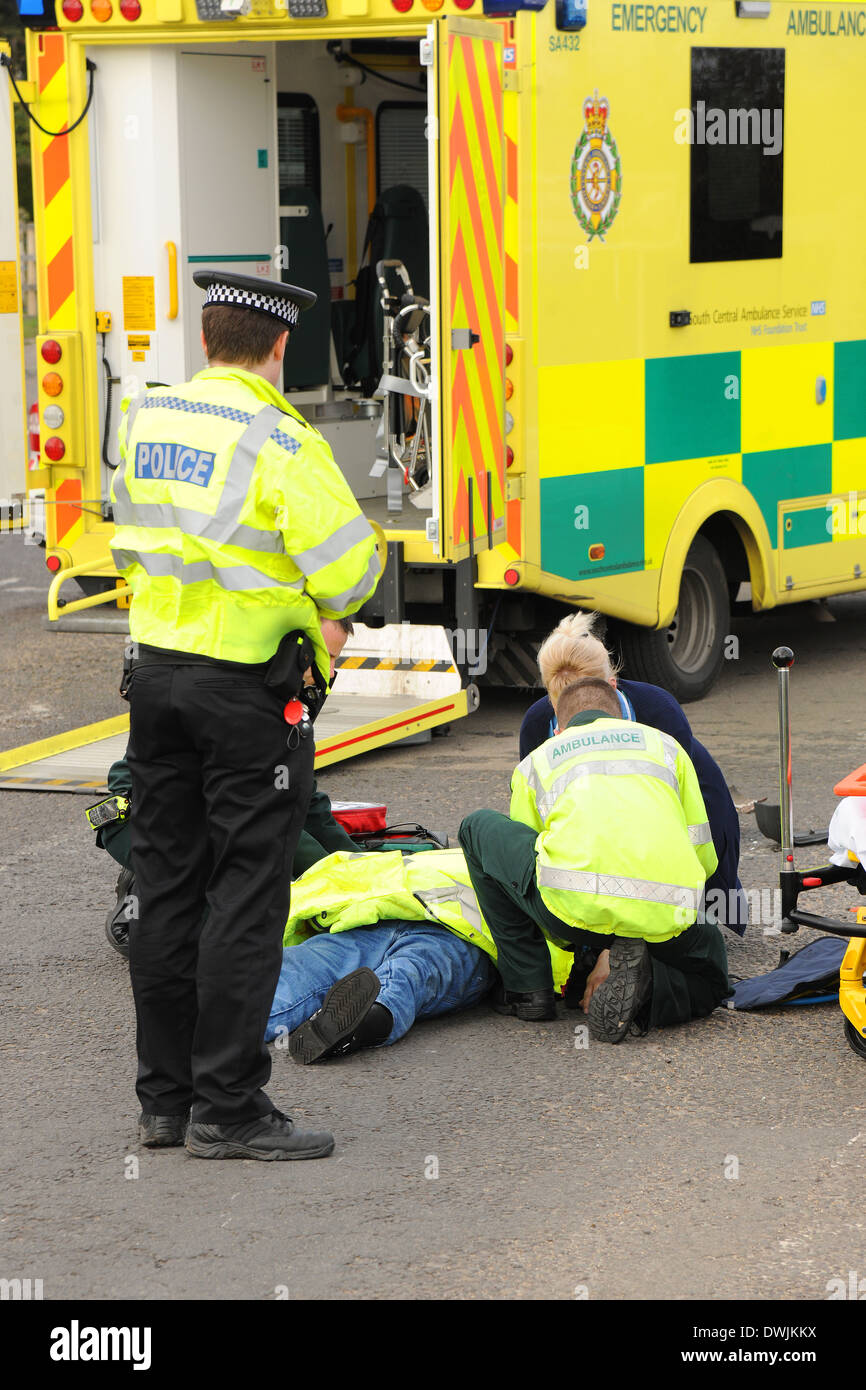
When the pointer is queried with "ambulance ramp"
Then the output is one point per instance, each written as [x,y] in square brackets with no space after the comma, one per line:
[77,761]
[394,682]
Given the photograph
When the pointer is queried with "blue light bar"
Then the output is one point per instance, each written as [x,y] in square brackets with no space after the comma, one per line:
[36,14]
[511,6]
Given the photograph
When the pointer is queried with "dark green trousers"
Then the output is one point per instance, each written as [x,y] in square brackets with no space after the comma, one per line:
[690,972]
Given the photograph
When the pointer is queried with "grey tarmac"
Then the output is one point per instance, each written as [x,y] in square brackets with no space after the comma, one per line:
[563,1171]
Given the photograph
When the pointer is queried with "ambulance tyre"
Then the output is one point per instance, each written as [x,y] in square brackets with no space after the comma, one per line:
[855,1040]
[686,657]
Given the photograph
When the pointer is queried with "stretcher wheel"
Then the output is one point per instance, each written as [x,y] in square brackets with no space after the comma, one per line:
[855,1039]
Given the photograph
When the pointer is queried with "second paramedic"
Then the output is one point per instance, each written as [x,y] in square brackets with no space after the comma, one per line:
[607,847]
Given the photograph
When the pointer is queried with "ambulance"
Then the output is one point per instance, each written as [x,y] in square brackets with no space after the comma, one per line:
[591,327]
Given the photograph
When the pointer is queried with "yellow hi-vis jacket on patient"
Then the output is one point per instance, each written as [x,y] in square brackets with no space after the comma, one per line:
[234,523]
[624,844]
[358,890]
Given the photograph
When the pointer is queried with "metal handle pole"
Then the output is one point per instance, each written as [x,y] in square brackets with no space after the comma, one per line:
[783,660]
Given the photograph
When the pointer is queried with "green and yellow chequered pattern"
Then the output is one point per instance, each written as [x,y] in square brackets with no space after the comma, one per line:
[634,439]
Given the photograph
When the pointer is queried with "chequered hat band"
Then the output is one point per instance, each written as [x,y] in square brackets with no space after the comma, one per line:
[276,305]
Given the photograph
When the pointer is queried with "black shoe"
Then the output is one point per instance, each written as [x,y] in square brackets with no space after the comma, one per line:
[268,1137]
[348,1020]
[117,922]
[162,1131]
[626,992]
[536,1006]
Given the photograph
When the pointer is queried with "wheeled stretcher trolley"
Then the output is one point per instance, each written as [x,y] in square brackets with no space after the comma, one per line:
[852,982]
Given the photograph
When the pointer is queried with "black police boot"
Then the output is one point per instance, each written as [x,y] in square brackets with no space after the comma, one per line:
[117,921]
[536,1006]
[269,1137]
[348,1020]
[162,1131]
[626,993]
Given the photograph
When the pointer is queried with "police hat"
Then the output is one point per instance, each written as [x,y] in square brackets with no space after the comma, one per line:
[282,302]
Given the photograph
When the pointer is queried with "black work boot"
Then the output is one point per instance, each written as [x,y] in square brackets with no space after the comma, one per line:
[536,1006]
[348,1020]
[268,1137]
[625,993]
[117,921]
[162,1131]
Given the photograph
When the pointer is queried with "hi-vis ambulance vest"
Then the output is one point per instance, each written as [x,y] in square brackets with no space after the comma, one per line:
[357,890]
[624,845]
[234,523]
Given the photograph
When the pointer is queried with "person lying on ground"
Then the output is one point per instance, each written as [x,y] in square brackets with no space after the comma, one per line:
[375,942]
[607,846]
[571,652]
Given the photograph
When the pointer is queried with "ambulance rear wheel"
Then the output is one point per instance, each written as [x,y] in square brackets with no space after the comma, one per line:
[855,1039]
[686,657]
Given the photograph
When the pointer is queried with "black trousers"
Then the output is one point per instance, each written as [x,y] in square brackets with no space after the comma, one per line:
[219,802]
[690,972]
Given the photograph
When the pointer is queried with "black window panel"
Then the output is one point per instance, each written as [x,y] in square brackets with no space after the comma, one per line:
[401,145]
[298,143]
[736,189]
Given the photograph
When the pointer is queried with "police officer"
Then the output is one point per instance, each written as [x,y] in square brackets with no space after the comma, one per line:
[237,533]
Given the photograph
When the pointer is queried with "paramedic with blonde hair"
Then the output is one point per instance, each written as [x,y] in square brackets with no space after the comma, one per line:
[572,652]
[607,847]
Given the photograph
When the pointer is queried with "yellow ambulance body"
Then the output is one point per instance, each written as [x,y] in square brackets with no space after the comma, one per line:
[648,306]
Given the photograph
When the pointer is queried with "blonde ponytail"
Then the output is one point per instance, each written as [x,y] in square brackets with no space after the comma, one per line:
[571,653]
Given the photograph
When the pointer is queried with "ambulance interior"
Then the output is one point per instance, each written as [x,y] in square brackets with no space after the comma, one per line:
[268,160]
[351,133]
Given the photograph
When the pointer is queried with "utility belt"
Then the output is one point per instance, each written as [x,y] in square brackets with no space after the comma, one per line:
[283,673]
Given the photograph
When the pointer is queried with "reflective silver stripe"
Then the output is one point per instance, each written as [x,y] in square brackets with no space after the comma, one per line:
[335,547]
[459,893]
[359,590]
[124,558]
[232,577]
[162,516]
[616,886]
[122,508]
[132,410]
[620,767]
[701,834]
[533,781]
[671,751]
[243,464]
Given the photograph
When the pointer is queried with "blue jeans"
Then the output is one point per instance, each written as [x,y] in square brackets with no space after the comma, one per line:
[424,970]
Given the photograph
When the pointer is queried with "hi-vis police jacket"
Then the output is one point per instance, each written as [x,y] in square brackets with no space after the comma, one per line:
[624,845]
[357,890]
[234,523]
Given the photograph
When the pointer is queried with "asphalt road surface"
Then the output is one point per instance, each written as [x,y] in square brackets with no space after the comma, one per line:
[723,1159]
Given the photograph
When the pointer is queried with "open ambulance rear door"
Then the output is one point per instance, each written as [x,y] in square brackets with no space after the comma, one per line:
[467,224]
[12,418]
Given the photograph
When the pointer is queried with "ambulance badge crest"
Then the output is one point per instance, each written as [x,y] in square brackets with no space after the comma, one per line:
[596,172]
